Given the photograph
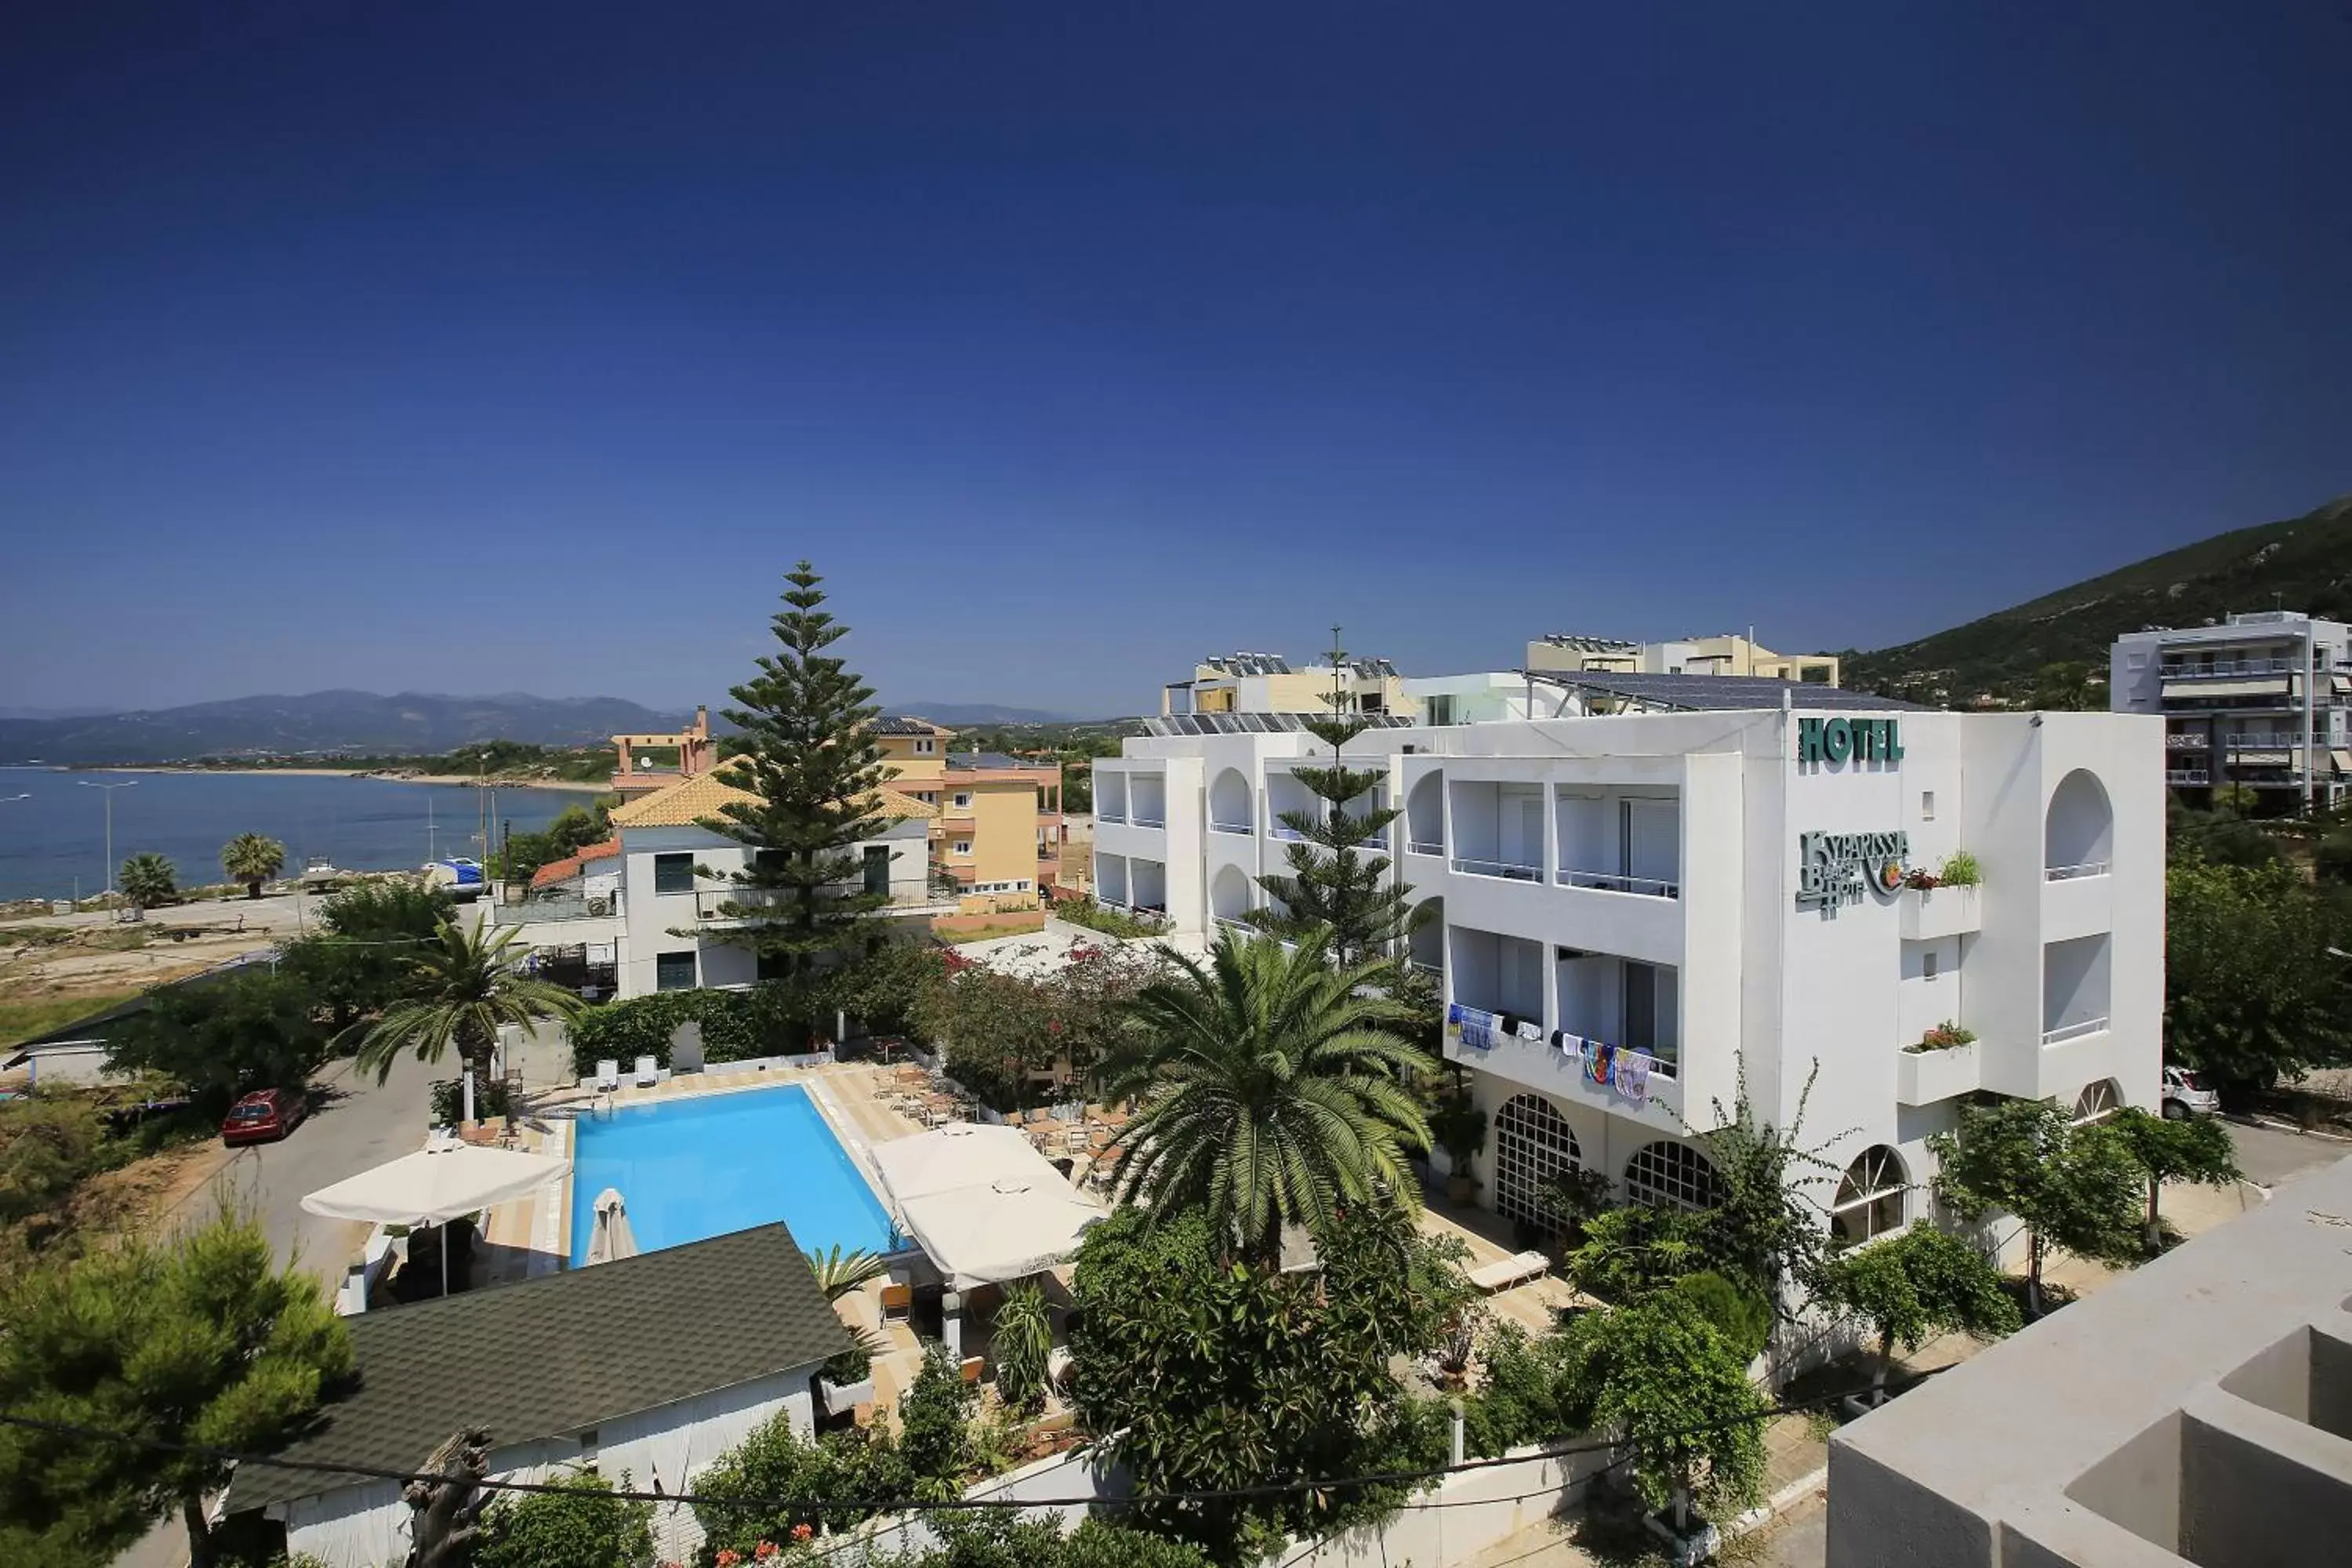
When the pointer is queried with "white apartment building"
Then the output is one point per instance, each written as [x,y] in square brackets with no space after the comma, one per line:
[1658,900]
[665,914]
[2262,699]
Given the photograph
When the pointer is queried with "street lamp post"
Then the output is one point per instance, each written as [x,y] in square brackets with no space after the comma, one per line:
[110,789]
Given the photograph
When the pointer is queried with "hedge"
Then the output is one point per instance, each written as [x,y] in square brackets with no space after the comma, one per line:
[736,1025]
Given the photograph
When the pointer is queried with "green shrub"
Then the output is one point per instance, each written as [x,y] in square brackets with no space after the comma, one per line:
[935,1419]
[581,1526]
[491,1100]
[737,1499]
[736,1026]
[1960,869]
[1084,912]
[1743,1317]
[1519,1402]
[1023,1342]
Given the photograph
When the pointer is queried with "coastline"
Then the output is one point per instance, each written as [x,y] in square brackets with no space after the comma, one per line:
[466,780]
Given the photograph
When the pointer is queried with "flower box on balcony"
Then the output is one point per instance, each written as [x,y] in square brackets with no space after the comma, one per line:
[1932,913]
[841,1398]
[1924,1076]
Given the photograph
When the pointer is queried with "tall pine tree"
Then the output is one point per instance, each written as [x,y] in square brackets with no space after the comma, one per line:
[807,752]
[1334,880]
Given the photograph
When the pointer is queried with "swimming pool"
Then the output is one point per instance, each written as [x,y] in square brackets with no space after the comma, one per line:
[690,1168]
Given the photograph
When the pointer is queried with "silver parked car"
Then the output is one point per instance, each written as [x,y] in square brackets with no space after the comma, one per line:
[2186,1095]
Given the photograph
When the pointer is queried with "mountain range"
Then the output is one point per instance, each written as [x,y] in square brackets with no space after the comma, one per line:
[408,723]
[2300,563]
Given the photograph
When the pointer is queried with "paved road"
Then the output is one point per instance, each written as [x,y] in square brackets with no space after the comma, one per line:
[2271,1156]
[358,1124]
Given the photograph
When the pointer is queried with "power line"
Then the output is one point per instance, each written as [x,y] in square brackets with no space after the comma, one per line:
[959,1505]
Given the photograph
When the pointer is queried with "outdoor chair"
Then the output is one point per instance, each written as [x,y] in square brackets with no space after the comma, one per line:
[972,1367]
[608,1073]
[647,1073]
[897,1303]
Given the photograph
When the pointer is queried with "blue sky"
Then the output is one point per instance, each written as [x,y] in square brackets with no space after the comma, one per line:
[521,347]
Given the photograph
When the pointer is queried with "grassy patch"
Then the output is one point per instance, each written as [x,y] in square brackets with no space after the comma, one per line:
[25,1019]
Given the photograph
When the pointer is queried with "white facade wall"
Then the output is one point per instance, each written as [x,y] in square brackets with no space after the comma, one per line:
[367,1526]
[651,923]
[1546,903]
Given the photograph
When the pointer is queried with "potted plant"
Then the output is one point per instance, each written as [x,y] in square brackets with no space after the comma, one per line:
[847,1379]
[1944,1037]
[1460,1129]
[1960,869]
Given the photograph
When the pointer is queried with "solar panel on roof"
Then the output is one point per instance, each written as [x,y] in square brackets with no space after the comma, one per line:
[1718,692]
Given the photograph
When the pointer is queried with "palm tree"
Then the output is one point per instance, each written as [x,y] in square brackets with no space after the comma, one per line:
[838,1272]
[147,880]
[252,859]
[463,985]
[1275,1090]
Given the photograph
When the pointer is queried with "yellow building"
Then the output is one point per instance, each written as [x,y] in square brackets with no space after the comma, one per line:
[1725,652]
[1266,683]
[999,831]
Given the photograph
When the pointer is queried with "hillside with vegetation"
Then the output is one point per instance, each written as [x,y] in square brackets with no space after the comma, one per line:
[2301,564]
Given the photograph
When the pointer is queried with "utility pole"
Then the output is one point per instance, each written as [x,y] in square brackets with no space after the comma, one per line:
[110,789]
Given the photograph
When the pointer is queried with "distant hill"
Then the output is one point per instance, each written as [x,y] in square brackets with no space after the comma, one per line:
[954,713]
[360,722]
[2304,564]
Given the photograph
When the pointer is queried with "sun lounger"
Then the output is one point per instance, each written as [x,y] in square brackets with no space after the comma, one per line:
[608,1073]
[647,1073]
[1510,1272]
[1057,1365]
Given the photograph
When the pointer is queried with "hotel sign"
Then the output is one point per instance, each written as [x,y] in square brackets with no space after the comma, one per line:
[1832,868]
[1843,740]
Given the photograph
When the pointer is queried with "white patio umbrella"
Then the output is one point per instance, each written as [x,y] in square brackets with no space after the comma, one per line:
[436,1184]
[984,1204]
[961,1155]
[612,1238]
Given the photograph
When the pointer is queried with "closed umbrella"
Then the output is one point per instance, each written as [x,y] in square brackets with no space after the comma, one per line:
[612,1239]
[438,1182]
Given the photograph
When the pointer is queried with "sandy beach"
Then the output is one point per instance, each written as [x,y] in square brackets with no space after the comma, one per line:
[466,780]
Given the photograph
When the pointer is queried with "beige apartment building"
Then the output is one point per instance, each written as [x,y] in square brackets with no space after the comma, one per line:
[1266,683]
[1725,652]
[999,831]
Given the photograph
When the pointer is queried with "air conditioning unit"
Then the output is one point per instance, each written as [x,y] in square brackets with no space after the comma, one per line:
[600,906]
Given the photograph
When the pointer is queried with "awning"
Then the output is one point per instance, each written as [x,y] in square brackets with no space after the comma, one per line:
[981,1203]
[2343,761]
[437,1184]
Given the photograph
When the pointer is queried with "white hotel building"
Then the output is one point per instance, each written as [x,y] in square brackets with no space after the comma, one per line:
[1636,873]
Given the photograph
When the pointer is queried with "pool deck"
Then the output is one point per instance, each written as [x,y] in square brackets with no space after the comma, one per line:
[532,1235]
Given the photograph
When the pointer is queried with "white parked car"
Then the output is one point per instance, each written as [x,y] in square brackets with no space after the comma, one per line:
[2185,1094]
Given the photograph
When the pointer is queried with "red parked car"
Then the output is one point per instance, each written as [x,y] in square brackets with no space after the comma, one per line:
[265,1113]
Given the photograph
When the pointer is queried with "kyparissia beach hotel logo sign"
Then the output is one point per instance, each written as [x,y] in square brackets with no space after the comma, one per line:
[1834,869]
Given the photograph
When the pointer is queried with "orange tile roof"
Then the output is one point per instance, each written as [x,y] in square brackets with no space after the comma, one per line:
[572,865]
[689,801]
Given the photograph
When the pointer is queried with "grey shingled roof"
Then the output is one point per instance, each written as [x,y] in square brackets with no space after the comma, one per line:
[552,1356]
[1707,693]
[893,724]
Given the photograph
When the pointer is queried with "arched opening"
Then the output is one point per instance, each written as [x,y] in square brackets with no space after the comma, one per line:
[1672,1175]
[1533,1143]
[2078,837]
[1871,1199]
[1426,944]
[1424,815]
[1285,795]
[1229,895]
[2098,1101]
[1229,803]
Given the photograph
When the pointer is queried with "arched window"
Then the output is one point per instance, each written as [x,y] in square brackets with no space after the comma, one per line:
[1533,1143]
[2078,835]
[1229,803]
[1672,1175]
[1229,893]
[2097,1101]
[1870,1200]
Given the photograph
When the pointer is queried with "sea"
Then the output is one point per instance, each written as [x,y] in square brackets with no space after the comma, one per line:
[53,822]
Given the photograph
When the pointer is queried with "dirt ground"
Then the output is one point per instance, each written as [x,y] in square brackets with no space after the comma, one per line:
[95,953]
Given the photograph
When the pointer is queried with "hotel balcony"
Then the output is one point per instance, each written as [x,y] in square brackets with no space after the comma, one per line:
[1928,1078]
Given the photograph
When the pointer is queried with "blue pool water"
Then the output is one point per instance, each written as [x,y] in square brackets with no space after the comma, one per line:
[696,1168]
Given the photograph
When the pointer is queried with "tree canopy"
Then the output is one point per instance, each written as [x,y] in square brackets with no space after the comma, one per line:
[147,881]
[250,1030]
[2074,1187]
[461,989]
[2250,994]
[2197,1150]
[252,859]
[201,1340]
[1912,1287]
[1275,1090]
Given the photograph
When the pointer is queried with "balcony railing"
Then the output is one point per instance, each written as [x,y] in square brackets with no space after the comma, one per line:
[2071,873]
[1612,882]
[2185,743]
[1116,814]
[1284,830]
[745,904]
[2226,669]
[2188,776]
[1139,820]
[2073,1031]
[2255,741]
[1241,828]
[1470,866]
[1435,971]
[1426,847]
[539,909]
